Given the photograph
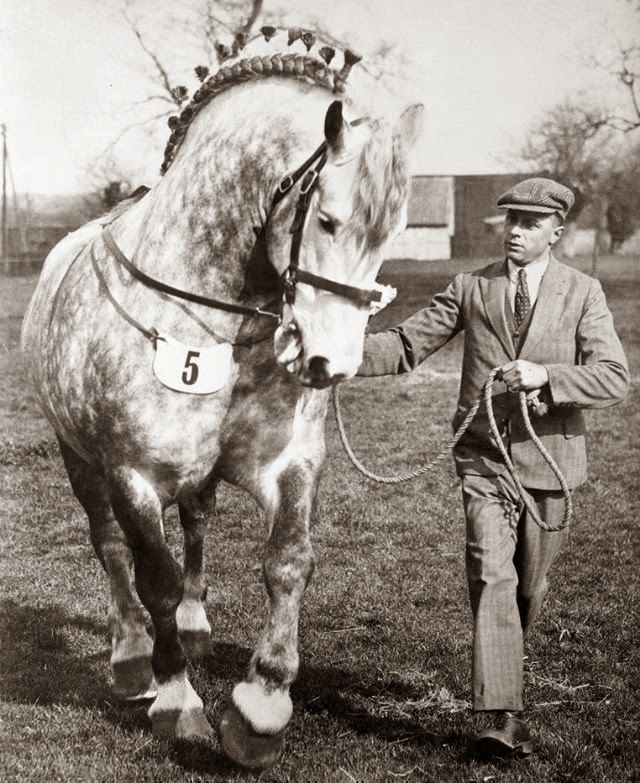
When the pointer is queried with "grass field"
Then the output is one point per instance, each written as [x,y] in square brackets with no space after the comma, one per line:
[383,691]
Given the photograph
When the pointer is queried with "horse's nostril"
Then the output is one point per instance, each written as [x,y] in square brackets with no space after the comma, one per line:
[318,365]
[318,368]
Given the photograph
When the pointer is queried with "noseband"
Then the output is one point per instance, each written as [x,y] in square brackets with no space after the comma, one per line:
[308,172]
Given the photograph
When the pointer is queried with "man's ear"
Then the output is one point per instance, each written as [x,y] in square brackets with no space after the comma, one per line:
[557,233]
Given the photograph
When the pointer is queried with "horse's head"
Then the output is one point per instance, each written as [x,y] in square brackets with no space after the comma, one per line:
[358,205]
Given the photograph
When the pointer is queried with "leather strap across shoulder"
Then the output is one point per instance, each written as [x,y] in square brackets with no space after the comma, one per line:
[158,285]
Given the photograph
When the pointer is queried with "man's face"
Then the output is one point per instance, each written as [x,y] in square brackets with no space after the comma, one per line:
[527,236]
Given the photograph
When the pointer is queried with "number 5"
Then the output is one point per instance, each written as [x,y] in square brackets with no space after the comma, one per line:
[190,374]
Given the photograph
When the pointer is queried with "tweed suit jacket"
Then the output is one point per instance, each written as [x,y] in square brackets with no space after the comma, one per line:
[571,333]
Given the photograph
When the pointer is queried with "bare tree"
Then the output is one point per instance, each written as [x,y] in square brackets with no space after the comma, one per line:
[621,185]
[626,71]
[574,143]
[200,31]
[571,143]
[219,29]
[622,63]
[590,144]
[195,40]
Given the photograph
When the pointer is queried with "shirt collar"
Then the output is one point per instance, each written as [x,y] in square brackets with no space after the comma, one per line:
[534,270]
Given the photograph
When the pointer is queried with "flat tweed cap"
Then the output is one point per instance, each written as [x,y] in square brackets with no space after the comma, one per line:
[538,195]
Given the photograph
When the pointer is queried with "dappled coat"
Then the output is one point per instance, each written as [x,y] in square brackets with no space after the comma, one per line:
[571,332]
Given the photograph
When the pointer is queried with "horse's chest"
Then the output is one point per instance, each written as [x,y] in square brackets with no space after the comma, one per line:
[103,383]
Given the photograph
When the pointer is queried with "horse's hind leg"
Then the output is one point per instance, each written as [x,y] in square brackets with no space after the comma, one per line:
[131,645]
[193,626]
[252,727]
[177,711]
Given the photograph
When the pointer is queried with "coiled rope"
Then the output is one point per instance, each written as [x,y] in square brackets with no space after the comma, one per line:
[486,397]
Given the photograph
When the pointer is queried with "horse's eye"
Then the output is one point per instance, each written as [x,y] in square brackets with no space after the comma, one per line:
[327,225]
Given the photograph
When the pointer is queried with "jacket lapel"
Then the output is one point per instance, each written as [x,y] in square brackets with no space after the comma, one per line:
[553,287]
[493,288]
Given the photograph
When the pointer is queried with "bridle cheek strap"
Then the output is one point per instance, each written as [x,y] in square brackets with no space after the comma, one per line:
[293,274]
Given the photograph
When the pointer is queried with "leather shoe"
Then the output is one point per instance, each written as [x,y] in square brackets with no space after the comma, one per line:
[508,735]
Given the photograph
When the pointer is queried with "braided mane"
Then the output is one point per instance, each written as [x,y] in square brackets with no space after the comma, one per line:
[381,188]
[296,66]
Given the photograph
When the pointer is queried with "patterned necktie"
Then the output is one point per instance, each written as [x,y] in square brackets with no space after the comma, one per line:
[522,303]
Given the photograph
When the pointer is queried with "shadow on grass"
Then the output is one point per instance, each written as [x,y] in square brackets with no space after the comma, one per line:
[342,695]
[43,664]
[204,758]
[37,662]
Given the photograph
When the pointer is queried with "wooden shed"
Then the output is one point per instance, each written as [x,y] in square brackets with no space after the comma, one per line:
[430,221]
[478,219]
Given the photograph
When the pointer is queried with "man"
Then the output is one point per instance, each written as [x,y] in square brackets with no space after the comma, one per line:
[547,327]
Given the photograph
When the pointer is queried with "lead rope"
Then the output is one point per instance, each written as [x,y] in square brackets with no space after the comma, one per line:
[524,495]
[484,396]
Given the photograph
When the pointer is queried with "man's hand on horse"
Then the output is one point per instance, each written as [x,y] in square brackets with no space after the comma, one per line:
[521,375]
[387,294]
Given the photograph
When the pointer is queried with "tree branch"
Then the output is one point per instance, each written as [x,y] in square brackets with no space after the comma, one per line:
[161,71]
[130,127]
[256,10]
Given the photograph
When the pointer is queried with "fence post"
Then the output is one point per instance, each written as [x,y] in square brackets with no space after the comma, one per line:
[5,248]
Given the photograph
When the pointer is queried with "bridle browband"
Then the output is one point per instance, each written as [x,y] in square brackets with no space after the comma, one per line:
[308,172]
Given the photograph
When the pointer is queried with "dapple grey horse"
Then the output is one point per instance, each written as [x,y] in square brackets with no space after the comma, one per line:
[163,344]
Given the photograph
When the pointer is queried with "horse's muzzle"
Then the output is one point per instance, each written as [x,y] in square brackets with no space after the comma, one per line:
[316,373]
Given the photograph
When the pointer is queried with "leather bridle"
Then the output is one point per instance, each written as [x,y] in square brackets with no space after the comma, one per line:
[308,172]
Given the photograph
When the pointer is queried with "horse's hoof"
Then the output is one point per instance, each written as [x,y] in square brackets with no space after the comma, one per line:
[181,725]
[246,747]
[196,644]
[133,679]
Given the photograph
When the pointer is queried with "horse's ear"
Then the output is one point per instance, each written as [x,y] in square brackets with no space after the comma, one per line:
[409,125]
[334,125]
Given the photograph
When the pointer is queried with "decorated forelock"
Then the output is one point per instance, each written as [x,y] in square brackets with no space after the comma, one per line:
[298,66]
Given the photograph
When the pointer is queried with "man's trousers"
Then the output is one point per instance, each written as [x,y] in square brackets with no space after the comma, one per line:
[508,557]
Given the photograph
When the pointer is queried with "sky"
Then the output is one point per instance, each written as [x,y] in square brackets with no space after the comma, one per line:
[73,76]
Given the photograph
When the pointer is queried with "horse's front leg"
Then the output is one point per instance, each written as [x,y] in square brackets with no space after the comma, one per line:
[252,727]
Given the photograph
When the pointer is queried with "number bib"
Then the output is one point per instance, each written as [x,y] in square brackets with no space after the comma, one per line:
[191,370]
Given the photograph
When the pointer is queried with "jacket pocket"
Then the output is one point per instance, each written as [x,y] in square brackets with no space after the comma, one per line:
[573,424]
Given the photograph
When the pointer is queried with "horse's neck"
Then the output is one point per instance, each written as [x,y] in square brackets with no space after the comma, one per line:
[200,222]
